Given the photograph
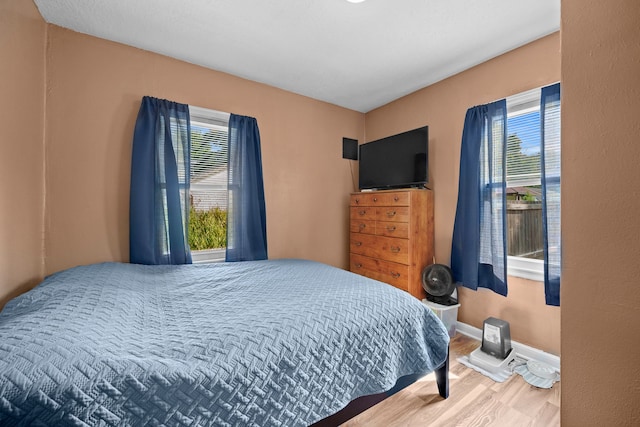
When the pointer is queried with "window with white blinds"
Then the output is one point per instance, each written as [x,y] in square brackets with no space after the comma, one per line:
[523,139]
[524,190]
[209,184]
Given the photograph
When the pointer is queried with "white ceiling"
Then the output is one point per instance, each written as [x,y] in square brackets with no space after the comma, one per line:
[359,56]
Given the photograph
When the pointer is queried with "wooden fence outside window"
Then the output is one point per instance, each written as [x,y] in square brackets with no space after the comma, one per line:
[524,229]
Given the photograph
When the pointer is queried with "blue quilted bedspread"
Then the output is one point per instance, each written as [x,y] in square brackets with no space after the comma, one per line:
[284,342]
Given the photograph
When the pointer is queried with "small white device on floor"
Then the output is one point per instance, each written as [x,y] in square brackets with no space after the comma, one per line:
[490,363]
[497,360]
[496,353]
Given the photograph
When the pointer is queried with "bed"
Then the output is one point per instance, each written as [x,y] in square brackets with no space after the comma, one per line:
[281,342]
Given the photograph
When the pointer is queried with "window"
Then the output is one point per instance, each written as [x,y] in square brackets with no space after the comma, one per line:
[524,191]
[209,184]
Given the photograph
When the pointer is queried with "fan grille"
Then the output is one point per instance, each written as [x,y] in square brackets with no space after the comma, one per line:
[437,280]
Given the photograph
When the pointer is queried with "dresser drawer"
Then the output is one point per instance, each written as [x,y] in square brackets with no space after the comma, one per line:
[362,199]
[391,199]
[392,213]
[361,213]
[362,226]
[392,229]
[384,271]
[380,199]
[385,248]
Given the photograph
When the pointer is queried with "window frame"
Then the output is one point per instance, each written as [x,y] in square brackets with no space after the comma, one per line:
[525,268]
[216,118]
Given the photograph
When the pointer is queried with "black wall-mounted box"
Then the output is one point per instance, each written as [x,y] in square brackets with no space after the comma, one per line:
[350,148]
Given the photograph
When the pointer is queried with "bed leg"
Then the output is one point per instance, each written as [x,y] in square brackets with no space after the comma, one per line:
[442,377]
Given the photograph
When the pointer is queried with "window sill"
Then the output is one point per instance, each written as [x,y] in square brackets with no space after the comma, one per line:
[208,256]
[526,268]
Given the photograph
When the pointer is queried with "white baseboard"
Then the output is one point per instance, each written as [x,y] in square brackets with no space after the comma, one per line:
[521,350]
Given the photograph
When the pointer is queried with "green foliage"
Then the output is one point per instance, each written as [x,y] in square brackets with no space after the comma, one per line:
[207,229]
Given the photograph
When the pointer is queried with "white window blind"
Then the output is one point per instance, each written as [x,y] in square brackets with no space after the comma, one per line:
[552,140]
[209,152]
[523,139]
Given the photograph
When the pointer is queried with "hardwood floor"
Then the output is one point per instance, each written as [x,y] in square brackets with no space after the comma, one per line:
[474,400]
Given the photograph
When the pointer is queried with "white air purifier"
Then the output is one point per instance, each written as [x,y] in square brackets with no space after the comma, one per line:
[496,353]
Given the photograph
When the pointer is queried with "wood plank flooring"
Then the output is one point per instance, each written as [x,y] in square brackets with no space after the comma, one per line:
[474,400]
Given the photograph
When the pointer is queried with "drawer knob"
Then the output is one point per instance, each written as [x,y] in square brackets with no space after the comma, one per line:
[358,243]
[395,249]
[391,214]
[395,275]
[391,228]
[396,198]
[358,265]
[375,199]
[362,212]
[362,226]
[357,201]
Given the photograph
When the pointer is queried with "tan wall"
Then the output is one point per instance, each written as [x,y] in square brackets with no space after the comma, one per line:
[94,92]
[22,82]
[442,106]
[601,230]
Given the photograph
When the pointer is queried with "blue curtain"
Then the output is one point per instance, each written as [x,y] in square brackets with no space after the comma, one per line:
[246,220]
[550,155]
[159,198]
[479,248]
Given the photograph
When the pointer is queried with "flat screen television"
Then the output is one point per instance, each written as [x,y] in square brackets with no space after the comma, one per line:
[396,161]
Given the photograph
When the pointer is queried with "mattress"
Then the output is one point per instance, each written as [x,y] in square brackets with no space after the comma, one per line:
[261,343]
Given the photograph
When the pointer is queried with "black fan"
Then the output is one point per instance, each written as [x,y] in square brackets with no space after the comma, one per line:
[437,281]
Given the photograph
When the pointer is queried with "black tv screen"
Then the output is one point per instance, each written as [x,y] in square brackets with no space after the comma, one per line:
[396,161]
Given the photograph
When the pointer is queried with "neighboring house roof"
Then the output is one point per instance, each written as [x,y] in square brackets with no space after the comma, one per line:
[206,170]
[209,190]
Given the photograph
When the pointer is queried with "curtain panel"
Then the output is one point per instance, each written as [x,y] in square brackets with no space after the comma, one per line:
[550,157]
[478,252]
[246,217]
[159,198]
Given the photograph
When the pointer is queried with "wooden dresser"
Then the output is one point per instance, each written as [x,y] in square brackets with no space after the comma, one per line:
[391,237]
